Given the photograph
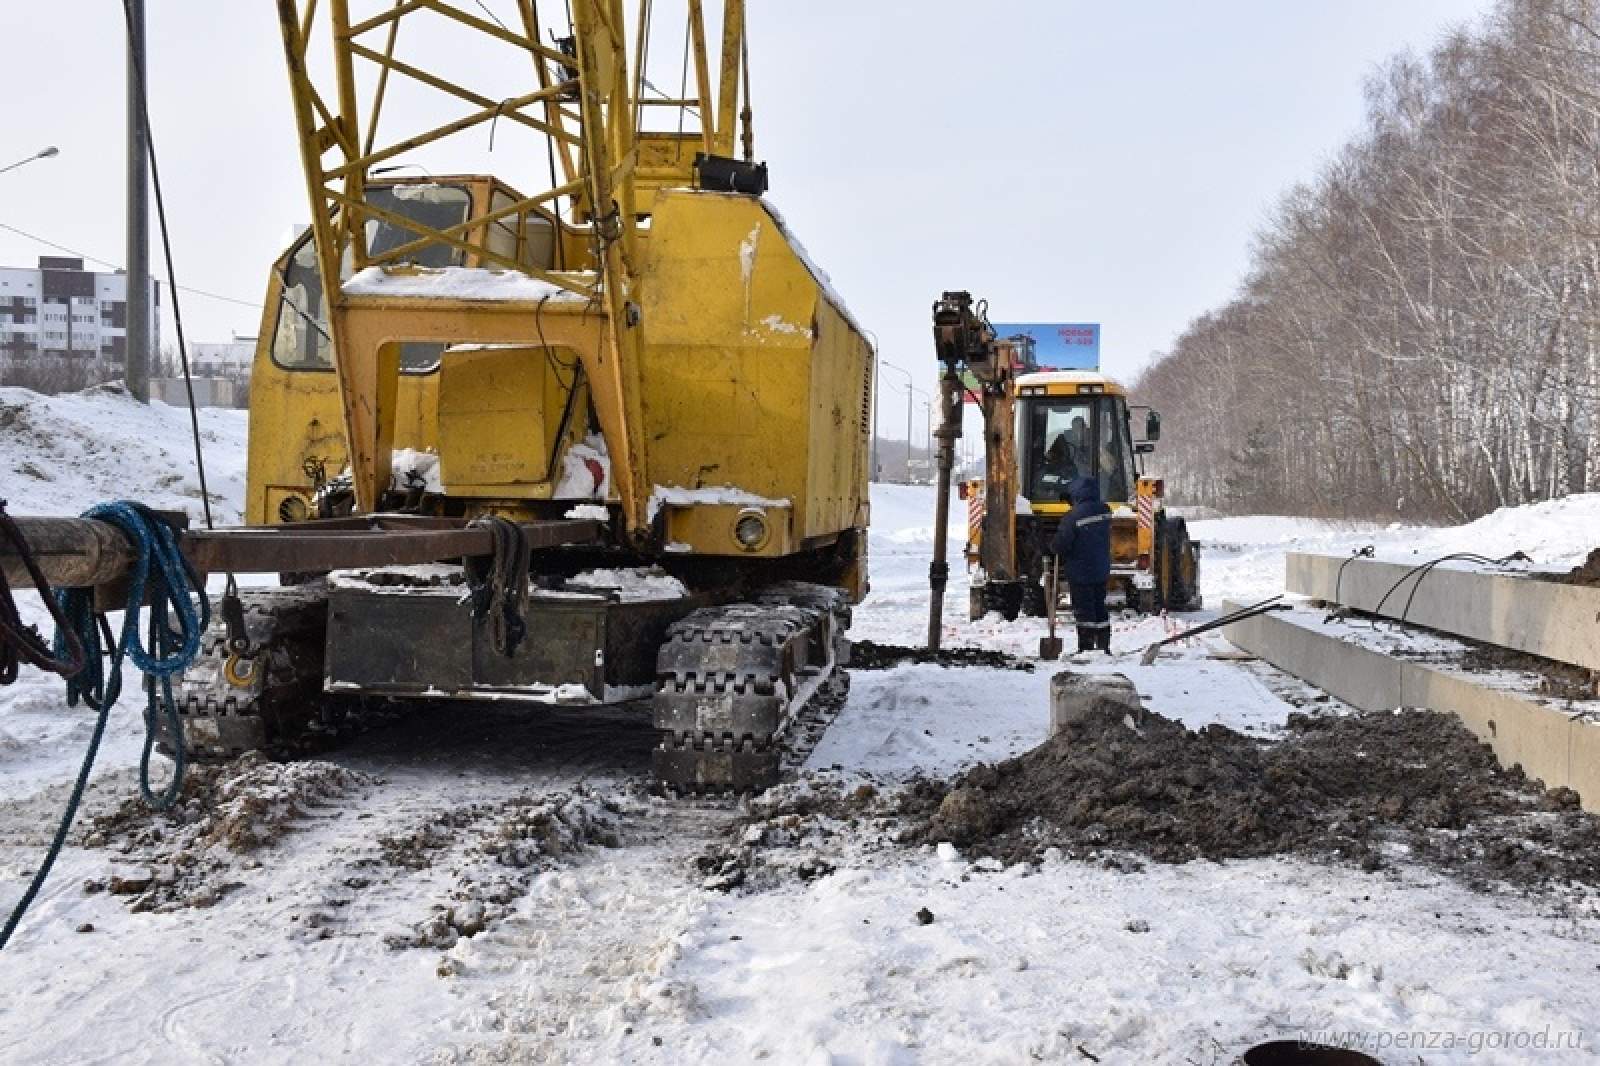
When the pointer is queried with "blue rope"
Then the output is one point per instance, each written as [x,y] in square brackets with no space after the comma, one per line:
[160,569]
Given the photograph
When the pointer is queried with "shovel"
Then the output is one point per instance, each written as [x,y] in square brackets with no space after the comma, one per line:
[1050,646]
[1240,615]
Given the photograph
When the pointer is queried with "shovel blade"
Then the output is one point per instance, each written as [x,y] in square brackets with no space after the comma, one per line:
[1049,647]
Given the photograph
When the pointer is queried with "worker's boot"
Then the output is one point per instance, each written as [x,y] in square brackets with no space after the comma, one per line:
[1086,640]
[1103,639]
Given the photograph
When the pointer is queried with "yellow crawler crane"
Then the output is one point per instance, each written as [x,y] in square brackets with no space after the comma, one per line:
[635,371]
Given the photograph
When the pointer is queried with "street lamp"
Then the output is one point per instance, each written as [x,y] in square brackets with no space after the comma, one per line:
[875,352]
[44,153]
[910,388]
[901,370]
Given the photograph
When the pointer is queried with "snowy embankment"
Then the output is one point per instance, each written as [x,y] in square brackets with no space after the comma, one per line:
[62,454]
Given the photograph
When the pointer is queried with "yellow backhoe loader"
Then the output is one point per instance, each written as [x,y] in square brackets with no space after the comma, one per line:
[1043,429]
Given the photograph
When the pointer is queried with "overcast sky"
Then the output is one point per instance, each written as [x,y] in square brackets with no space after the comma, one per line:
[1069,161]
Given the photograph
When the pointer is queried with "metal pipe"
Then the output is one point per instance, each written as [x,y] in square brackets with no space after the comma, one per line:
[938,569]
[136,366]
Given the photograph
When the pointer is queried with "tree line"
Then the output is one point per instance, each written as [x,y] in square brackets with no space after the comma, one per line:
[1418,335]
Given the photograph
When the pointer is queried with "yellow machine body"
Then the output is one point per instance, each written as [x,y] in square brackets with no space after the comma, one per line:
[754,386]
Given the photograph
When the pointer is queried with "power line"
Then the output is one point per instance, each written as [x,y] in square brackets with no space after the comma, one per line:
[107,263]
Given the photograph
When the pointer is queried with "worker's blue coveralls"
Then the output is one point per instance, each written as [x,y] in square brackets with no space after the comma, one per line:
[1083,545]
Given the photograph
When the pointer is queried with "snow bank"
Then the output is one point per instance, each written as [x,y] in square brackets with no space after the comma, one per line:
[62,454]
[1243,556]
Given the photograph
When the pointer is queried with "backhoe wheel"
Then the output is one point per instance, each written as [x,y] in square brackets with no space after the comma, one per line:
[1004,597]
[1034,599]
[1179,577]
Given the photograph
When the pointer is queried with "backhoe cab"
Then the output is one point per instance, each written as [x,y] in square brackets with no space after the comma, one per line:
[1073,424]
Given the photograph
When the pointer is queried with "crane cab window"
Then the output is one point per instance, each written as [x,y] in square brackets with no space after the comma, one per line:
[1067,437]
[301,339]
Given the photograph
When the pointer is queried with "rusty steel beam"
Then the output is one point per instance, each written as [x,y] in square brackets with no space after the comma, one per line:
[79,552]
[278,549]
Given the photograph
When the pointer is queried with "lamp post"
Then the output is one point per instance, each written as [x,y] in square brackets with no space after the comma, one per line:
[901,370]
[47,152]
[910,389]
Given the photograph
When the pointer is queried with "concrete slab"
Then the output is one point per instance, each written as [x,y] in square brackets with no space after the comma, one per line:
[1545,618]
[1558,748]
[1073,696]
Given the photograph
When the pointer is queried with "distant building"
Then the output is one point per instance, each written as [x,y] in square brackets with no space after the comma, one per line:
[223,359]
[64,327]
[220,373]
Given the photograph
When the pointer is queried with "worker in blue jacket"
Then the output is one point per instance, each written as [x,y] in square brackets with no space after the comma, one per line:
[1083,545]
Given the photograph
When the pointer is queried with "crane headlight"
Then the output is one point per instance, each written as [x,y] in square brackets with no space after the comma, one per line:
[750,530]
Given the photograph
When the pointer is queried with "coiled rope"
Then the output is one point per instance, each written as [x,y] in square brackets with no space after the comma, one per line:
[163,577]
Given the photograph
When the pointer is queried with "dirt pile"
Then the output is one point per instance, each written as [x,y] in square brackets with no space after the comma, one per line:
[870,655]
[799,832]
[1585,573]
[1361,788]
[186,855]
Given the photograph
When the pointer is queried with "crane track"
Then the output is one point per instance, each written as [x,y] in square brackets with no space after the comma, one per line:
[269,697]
[744,691]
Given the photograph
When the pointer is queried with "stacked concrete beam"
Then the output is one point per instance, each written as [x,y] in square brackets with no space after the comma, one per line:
[1548,743]
[1544,618]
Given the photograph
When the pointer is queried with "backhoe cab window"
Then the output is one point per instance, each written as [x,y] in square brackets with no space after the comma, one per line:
[301,339]
[1069,437]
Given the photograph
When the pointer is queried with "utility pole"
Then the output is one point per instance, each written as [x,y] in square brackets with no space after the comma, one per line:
[139,317]
[909,389]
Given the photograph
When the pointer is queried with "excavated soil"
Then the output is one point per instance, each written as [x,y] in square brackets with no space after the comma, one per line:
[1550,678]
[1364,789]
[1586,573]
[224,812]
[870,655]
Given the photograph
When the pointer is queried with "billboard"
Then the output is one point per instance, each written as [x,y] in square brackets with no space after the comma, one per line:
[1058,345]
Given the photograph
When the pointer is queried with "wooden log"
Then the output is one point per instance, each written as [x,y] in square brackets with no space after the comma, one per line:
[72,552]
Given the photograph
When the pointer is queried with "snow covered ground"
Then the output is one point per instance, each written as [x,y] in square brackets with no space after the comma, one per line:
[618,954]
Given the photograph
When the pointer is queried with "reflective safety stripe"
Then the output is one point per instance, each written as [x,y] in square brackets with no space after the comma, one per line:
[1092,519]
